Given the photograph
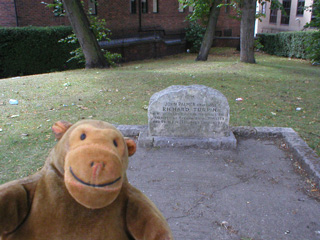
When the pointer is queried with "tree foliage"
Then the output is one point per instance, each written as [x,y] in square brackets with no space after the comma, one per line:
[57,8]
[201,9]
[315,8]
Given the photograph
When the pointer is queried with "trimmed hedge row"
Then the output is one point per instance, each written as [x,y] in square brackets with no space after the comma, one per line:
[32,50]
[287,44]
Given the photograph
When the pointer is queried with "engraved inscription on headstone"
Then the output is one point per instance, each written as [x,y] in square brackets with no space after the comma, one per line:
[189,111]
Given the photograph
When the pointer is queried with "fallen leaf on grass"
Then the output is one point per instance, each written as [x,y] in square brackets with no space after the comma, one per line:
[82,107]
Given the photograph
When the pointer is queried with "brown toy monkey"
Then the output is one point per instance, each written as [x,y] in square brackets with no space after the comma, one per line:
[82,192]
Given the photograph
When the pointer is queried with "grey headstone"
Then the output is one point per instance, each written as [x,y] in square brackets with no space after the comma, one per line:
[189,111]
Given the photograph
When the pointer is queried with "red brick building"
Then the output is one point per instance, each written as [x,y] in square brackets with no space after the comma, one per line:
[152,28]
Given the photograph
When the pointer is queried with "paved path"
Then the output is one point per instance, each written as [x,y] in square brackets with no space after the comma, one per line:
[251,193]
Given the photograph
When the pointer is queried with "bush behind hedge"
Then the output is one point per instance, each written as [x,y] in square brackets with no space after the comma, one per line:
[287,44]
[32,50]
[194,36]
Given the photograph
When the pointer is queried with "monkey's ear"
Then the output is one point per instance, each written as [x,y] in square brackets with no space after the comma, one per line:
[59,128]
[132,147]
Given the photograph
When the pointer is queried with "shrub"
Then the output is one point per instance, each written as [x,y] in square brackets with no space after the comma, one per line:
[101,32]
[313,47]
[313,43]
[32,50]
[289,44]
[194,36]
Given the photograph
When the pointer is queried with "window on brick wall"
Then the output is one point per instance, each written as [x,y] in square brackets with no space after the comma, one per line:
[300,8]
[155,6]
[273,13]
[92,4]
[181,9]
[133,6]
[144,6]
[285,17]
[191,9]
[218,33]
[263,7]
[227,32]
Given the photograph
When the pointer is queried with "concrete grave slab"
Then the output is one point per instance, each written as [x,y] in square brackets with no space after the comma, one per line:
[251,192]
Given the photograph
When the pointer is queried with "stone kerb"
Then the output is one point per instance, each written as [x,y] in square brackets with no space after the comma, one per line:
[193,115]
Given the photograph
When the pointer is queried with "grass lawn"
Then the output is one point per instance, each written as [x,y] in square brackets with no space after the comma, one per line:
[272,90]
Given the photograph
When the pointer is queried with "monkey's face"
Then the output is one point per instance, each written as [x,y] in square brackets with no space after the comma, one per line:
[95,164]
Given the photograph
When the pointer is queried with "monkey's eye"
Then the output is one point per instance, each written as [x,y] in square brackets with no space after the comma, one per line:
[115,143]
[83,136]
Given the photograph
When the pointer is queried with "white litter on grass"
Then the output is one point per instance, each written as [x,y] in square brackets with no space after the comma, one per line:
[239,99]
[13,102]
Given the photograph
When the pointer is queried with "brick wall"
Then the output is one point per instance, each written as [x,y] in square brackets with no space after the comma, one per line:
[117,13]
[7,13]
[226,22]
[123,23]
[118,16]
[35,13]
[168,23]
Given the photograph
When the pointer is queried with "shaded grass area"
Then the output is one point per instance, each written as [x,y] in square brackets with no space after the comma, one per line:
[272,90]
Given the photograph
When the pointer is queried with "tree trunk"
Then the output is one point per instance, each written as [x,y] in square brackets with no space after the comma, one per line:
[248,19]
[210,31]
[81,27]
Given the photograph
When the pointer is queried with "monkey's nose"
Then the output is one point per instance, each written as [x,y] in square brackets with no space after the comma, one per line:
[92,164]
[97,167]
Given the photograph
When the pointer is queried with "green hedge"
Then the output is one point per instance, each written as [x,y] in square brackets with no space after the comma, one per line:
[32,50]
[287,44]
